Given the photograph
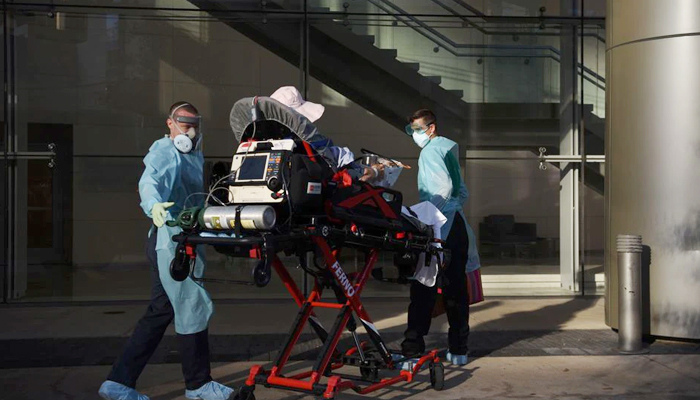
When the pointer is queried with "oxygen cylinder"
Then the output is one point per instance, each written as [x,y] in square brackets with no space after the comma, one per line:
[253,217]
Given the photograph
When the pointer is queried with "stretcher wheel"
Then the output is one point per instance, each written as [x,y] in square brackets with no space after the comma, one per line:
[262,273]
[180,266]
[370,373]
[244,395]
[437,375]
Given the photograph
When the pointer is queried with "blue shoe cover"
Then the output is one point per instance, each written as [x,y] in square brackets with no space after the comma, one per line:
[211,391]
[406,365]
[457,359]
[116,391]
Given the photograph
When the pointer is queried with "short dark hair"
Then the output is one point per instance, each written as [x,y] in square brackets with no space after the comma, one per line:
[183,105]
[424,113]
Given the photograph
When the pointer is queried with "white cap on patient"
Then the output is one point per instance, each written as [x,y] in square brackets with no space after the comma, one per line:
[290,97]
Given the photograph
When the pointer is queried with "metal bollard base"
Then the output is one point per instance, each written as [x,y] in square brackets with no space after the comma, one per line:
[644,350]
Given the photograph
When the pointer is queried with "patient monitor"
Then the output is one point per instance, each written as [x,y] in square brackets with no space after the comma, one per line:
[258,171]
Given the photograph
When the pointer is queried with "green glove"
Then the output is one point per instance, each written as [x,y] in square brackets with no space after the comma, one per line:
[159,213]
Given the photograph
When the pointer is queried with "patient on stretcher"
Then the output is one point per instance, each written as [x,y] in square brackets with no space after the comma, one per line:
[276,166]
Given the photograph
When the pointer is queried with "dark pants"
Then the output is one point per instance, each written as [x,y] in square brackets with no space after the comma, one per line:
[149,331]
[454,295]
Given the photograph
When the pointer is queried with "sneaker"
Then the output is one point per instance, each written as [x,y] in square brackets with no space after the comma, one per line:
[211,391]
[111,390]
[457,359]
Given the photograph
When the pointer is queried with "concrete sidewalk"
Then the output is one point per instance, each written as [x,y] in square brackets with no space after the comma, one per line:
[254,317]
[38,336]
[519,348]
[556,377]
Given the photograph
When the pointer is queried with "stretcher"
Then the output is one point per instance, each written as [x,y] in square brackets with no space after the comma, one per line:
[283,197]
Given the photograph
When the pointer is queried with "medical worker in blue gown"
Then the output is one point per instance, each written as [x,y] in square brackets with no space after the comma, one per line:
[170,182]
[440,182]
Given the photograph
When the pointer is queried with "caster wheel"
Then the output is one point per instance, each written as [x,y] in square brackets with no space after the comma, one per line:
[262,274]
[244,396]
[180,266]
[369,373]
[437,376]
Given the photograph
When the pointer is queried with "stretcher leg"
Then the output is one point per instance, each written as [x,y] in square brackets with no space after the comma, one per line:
[352,293]
[347,292]
[298,297]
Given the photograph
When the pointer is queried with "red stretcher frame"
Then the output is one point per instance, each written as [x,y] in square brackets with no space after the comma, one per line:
[310,381]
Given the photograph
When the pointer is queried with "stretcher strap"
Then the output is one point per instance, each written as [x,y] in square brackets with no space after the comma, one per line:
[309,151]
[237,228]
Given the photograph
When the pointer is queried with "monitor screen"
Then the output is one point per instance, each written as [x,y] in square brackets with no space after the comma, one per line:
[253,167]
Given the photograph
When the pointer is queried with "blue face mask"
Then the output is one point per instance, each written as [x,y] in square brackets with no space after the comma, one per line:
[421,138]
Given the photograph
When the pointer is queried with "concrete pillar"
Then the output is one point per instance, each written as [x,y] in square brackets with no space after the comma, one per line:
[653,156]
[568,145]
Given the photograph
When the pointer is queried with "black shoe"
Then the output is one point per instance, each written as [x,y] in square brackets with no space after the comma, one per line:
[412,348]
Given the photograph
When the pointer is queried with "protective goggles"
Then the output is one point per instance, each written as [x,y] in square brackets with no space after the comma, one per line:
[413,128]
[194,121]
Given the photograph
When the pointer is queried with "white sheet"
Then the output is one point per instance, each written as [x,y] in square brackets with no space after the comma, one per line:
[428,214]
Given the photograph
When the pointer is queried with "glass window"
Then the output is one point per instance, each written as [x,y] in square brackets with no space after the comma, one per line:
[98,83]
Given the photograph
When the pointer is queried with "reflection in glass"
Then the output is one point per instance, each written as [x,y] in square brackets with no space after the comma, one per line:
[109,75]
